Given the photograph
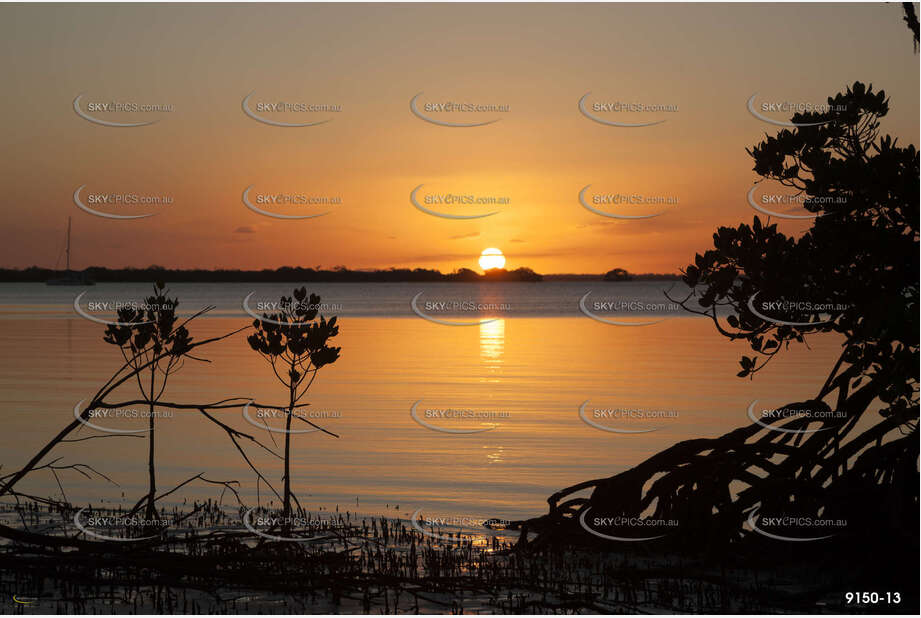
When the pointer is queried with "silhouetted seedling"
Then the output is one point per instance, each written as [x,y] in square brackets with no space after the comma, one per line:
[148,337]
[294,343]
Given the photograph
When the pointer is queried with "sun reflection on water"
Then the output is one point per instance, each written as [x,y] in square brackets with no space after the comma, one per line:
[495,454]
[492,343]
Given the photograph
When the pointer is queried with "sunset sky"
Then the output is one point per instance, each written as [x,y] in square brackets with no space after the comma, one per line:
[539,60]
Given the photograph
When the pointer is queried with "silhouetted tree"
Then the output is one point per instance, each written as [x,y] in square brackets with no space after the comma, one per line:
[858,262]
[617,274]
[465,274]
[153,342]
[501,274]
[526,274]
[294,343]
[143,333]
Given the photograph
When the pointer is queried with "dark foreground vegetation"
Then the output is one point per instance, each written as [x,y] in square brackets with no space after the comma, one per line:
[207,562]
[839,472]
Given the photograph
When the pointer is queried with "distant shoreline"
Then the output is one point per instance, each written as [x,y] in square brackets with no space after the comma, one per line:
[306,275]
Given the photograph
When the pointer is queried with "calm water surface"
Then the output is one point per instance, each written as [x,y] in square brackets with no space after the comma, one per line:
[522,377]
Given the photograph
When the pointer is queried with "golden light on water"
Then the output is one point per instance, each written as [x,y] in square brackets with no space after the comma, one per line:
[492,258]
[492,342]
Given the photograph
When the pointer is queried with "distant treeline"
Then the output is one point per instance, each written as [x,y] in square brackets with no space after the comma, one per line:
[286,274]
[290,274]
[607,277]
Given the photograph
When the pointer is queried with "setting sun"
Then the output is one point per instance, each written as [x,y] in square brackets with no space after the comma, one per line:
[492,258]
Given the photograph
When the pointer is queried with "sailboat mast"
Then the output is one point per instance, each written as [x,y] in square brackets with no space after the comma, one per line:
[68,244]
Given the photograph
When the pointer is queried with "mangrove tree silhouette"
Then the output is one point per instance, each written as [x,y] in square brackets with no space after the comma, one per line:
[853,274]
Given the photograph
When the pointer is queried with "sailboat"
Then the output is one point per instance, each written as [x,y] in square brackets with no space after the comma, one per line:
[70,277]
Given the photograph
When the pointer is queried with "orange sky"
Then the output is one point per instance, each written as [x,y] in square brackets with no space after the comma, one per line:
[706,60]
